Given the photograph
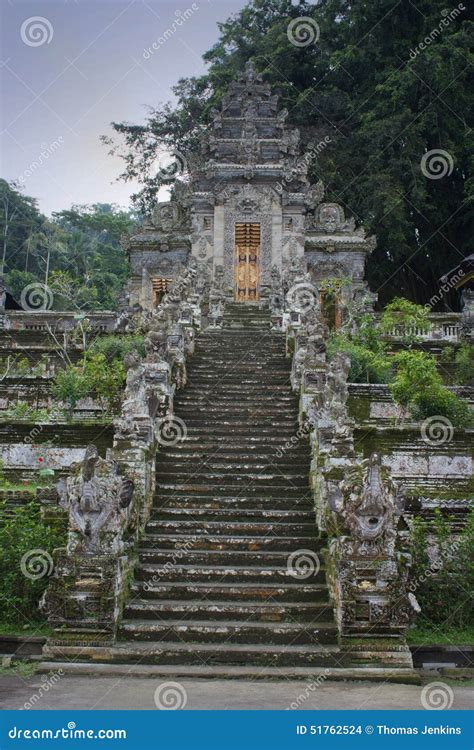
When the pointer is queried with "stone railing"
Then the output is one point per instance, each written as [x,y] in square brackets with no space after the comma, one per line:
[357,504]
[46,320]
[442,327]
[108,501]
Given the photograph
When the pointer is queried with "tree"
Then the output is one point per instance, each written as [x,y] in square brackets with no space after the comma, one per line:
[384,102]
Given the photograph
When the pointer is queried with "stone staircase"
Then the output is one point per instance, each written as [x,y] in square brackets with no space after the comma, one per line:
[215,592]
[212,585]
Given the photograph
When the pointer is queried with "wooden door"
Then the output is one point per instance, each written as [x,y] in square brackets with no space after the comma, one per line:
[247,262]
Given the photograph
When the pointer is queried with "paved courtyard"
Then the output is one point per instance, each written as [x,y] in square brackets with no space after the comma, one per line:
[77,692]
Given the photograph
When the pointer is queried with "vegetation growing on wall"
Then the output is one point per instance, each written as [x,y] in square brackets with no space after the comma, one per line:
[100,375]
[22,533]
[419,389]
[443,573]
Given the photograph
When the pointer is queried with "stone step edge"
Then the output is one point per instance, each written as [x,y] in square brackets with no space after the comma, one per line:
[372,674]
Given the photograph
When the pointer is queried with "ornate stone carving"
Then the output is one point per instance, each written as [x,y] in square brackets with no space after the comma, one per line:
[167,215]
[329,217]
[96,498]
[373,504]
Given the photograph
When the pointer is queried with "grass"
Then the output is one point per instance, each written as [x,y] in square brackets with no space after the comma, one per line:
[25,629]
[424,635]
[23,669]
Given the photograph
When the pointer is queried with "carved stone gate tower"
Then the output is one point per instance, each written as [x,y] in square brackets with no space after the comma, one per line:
[249,210]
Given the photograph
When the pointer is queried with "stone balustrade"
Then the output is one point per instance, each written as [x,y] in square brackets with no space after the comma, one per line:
[109,500]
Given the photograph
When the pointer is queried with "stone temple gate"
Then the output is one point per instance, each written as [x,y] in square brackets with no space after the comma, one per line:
[247,511]
[249,211]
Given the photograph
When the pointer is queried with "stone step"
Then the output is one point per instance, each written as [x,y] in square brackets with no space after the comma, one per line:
[284,412]
[268,479]
[247,425]
[225,515]
[198,446]
[235,390]
[183,399]
[220,573]
[236,504]
[210,541]
[191,556]
[300,592]
[256,440]
[235,632]
[214,461]
[187,609]
[227,490]
[311,674]
[191,653]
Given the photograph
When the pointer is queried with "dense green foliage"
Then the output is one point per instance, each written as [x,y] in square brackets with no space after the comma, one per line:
[101,373]
[383,102]
[77,253]
[418,388]
[443,581]
[21,532]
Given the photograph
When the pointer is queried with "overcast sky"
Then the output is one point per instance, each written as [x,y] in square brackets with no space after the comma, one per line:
[70,67]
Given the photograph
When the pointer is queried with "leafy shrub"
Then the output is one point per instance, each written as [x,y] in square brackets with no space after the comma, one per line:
[418,387]
[367,366]
[21,532]
[464,360]
[105,379]
[70,386]
[116,347]
[443,581]
[404,316]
